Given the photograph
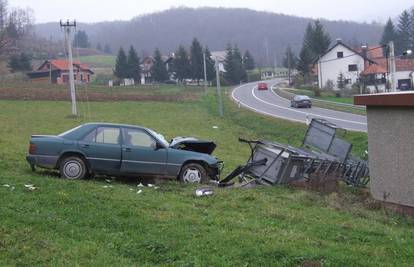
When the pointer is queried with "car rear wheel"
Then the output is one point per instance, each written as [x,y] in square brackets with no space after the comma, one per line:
[72,168]
[193,173]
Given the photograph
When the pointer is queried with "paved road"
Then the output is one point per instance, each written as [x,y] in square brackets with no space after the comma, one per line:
[269,103]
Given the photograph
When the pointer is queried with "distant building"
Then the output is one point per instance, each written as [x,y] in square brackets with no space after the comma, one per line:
[57,72]
[147,64]
[366,64]
[220,57]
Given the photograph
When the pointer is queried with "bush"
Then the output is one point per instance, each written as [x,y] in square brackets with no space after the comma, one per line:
[223,82]
[253,76]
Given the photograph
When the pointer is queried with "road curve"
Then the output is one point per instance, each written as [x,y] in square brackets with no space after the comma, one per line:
[269,103]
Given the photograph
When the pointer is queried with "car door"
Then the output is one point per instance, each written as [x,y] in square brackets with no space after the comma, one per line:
[140,153]
[102,147]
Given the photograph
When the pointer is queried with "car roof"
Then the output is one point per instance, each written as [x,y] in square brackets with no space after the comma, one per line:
[302,97]
[115,124]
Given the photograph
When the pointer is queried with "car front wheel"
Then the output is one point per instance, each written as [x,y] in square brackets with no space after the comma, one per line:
[193,173]
[72,168]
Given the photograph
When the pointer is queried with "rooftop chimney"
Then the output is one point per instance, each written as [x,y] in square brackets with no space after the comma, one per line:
[338,40]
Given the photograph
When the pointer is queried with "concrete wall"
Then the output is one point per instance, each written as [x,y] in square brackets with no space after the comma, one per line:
[391,154]
[331,66]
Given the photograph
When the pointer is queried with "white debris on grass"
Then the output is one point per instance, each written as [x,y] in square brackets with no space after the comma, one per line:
[30,187]
[6,185]
[139,192]
[108,181]
[156,187]
[150,185]
[107,186]
[215,127]
[140,185]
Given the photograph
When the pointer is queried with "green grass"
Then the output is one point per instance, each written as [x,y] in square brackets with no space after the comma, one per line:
[99,61]
[82,223]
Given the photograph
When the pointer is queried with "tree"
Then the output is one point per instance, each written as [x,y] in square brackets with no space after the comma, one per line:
[121,65]
[196,60]
[233,64]
[181,64]
[403,30]
[412,29]
[304,63]
[289,59]
[389,34]
[341,81]
[210,65]
[81,40]
[158,71]
[3,14]
[133,62]
[21,62]
[99,47]
[319,41]
[248,61]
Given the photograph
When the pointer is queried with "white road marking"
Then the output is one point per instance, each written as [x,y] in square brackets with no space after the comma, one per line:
[284,117]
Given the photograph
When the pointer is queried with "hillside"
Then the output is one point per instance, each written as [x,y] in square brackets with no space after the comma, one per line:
[264,34]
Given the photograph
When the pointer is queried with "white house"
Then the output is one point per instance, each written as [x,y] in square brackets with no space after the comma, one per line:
[367,63]
[340,59]
[220,57]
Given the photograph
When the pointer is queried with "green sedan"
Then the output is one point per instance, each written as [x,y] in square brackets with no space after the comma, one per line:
[124,150]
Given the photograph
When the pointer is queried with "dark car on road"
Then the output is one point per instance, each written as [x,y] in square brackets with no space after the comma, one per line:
[124,150]
[301,101]
[262,86]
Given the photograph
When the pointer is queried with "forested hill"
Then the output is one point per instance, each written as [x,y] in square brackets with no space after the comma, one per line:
[264,34]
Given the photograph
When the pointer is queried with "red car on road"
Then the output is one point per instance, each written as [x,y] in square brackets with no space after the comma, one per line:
[262,86]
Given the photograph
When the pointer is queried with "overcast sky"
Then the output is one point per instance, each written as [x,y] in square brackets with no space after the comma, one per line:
[100,10]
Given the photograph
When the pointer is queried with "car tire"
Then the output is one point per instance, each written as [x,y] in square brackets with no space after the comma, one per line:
[72,168]
[193,173]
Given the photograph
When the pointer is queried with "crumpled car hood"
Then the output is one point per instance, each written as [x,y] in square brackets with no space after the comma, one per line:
[193,144]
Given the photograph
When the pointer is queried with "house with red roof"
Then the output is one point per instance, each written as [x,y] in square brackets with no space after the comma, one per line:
[57,72]
[366,64]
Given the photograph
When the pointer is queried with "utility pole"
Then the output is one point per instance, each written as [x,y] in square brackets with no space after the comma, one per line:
[289,63]
[205,72]
[67,27]
[220,102]
[392,66]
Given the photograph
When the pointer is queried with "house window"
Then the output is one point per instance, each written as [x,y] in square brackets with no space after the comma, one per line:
[353,67]
[340,54]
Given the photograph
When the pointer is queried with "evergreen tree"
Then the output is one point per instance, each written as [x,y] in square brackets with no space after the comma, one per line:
[121,66]
[134,68]
[210,65]
[81,40]
[319,40]
[248,61]
[289,59]
[235,72]
[341,81]
[404,30]
[389,34]
[22,62]
[304,63]
[159,71]
[412,29]
[181,64]
[196,61]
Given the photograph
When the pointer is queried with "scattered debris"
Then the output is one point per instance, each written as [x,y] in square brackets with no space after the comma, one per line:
[140,185]
[215,127]
[108,180]
[30,187]
[6,185]
[139,192]
[201,192]
[107,186]
[150,185]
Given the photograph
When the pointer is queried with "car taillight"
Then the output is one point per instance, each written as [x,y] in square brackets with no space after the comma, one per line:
[32,148]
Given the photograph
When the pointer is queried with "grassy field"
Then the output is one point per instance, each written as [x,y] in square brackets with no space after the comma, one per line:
[96,223]
[99,61]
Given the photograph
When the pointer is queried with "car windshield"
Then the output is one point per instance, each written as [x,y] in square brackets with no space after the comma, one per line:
[160,137]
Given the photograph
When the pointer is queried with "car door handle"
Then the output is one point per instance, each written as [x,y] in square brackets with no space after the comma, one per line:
[127,149]
[86,146]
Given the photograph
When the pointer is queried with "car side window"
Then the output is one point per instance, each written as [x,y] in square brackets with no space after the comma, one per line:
[90,137]
[138,138]
[106,135]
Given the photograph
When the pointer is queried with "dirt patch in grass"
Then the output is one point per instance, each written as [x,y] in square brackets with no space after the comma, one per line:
[61,95]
